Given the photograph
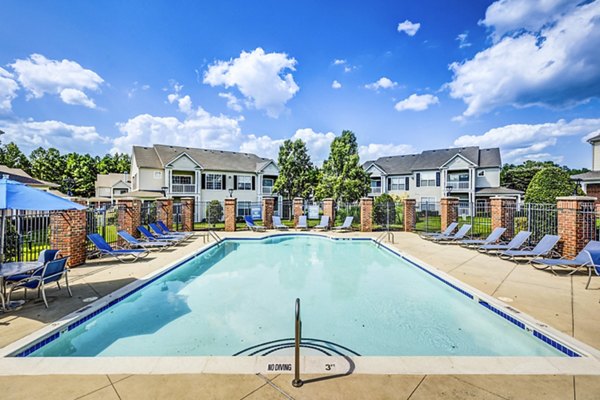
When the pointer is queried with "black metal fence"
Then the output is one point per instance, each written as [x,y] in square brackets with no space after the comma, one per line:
[388,215]
[148,213]
[104,221]
[26,234]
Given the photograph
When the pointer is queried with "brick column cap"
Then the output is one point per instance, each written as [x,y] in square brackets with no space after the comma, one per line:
[450,198]
[164,199]
[127,199]
[503,198]
[230,199]
[366,199]
[298,199]
[329,199]
[410,200]
[188,198]
[576,198]
[269,197]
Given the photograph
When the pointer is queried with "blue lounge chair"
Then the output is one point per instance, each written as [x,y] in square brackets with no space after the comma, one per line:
[492,238]
[158,238]
[542,249]
[302,223]
[278,225]
[134,243]
[120,254]
[52,271]
[346,226]
[459,235]
[449,229]
[514,244]
[324,223]
[167,231]
[252,226]
[158,231]
[588,258]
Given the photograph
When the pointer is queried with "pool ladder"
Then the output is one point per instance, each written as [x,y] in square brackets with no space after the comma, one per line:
[216,237]
[297,382]
[387,235]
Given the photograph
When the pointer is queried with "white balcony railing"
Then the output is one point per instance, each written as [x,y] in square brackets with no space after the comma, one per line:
[458,185]
[375,190]
[179,188]
[267,189]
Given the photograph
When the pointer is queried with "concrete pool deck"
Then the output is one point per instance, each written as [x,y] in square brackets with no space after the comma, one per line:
[561,302]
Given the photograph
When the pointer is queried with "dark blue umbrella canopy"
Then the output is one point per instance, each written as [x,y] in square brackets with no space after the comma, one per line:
[16,196]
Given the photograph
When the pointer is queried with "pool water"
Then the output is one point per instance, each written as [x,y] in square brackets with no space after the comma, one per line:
[241,294]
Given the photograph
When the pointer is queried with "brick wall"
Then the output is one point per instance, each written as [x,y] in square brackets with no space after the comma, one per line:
[230,207]
[129,216]
[268,209]
[366,214]
[68,234]
[593,190]
[410,214]
[298,209]
[574,218]
[164,211]
[448,211]
[503,214]
[329,210]
[187,214]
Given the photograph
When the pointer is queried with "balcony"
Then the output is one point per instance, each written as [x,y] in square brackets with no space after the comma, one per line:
[179,188]
[460,185]
[375,191]
[267,189]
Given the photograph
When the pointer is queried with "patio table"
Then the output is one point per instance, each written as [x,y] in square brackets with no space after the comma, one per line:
[14,268]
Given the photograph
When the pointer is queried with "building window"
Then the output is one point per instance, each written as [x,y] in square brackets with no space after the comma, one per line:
[214,181]
[157,174]
[397,183]
[267,185]
[244,182]
[181,180]
[481,173]
[427,178]
[244,208]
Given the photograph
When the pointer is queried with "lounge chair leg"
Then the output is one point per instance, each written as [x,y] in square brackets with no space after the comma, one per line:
[589,278]
[58,284]
[67,283]
[44,295]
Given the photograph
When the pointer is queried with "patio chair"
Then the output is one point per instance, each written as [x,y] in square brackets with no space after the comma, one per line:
[167,231]
[302,223]
[159,238]
[120,254]
[514,244]
[324,223]
[459,235]
[492,238]
[52,271]
[445,233]
[346,226]
[158,231]
[148,245]
[44,257]
[588,257]
[543,248]
[278,225]
[252,226]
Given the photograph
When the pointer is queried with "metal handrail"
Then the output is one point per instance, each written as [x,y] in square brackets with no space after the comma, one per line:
[297,382]
[387,235]
[214,235]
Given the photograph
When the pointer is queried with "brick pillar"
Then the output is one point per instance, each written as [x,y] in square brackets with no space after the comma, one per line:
[130,211]
[68,234]
[410,214]
[230,208]
[268,209]
[449,211]
[576,222]
[329,210]
[503,214]
[187,214]
[366,214]
[298,209]
[164,211]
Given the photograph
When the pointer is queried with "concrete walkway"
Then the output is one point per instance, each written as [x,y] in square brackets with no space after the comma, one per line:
[561,302]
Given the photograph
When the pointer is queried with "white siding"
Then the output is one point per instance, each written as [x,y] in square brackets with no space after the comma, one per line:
[458,163]
[596,156]
[270,170]
[491,178]
[184,163]
[149,181]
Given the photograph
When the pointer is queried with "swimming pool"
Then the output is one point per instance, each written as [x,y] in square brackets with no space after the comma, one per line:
[357,298]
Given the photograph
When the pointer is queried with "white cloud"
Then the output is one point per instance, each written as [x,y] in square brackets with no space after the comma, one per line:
[317,143]
[259,76]
[198,129]
[65,137]
[40,76]
[382,83]
[416,102]
[336,85]
[463,40]
[76,97]
[8,90]
[507,16]
[232,101]
[557,66]
[373,151]
[408,27]
[519,141]
[339,62]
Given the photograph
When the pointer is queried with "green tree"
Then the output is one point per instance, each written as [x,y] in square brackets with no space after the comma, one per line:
[13,157]
[548,184]
[384,210]
[214,212]
[80,175]
[106,164]
[297,174]
[47,165]
[343,177]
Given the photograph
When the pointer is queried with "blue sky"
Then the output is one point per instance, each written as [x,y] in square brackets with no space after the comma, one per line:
[101,76]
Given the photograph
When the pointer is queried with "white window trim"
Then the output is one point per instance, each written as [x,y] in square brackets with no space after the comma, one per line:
[212,181]
[249,183]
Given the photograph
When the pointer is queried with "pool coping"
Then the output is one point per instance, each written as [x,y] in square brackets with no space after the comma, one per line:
[587,364]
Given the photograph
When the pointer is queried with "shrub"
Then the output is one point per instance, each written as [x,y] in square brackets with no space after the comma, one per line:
[214,212]
[384,210]
[548,184]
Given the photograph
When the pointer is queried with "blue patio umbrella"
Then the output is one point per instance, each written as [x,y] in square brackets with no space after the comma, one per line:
[17,196]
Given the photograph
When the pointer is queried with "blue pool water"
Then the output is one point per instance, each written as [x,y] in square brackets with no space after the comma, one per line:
[241,294]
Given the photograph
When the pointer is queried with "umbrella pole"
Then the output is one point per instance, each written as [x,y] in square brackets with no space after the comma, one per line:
[3,230]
